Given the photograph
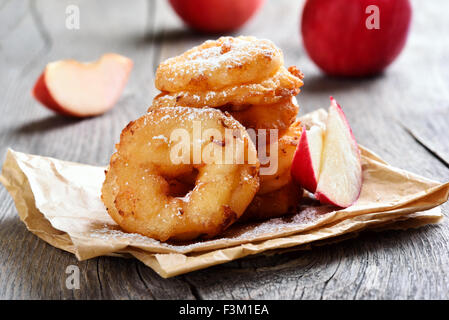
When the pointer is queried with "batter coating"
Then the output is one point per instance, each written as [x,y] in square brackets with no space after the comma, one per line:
[274,204]
[216,64]
[278,115]
[143,189]
[283,84]
[287,144]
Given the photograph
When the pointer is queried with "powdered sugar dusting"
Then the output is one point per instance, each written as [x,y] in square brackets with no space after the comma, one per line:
[161,137]
[216,61]
[306,218]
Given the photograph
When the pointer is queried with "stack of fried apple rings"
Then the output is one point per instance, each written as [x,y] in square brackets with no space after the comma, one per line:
[230,83]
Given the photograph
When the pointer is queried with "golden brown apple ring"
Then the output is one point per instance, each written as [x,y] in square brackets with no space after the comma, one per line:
[274,204]
[285,83]
[287,144]
[278,115]
[142,174]
[216,64]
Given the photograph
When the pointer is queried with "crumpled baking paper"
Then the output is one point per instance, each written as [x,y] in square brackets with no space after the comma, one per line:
[59,201]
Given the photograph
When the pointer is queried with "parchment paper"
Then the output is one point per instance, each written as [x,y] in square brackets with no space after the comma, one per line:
[60,202]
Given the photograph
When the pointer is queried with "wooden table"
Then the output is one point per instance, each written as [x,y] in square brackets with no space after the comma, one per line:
[403,115]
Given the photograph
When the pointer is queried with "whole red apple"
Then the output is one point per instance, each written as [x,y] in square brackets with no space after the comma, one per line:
[355,37]
[215,15]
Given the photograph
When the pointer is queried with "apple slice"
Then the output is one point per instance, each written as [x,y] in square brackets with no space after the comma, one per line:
[80,89]
[340,180]
[307,159]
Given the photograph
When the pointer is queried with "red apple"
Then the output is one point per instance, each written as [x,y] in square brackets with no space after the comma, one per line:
[215,15]
[355,37]
[340,179]
[306,163]
[83,89]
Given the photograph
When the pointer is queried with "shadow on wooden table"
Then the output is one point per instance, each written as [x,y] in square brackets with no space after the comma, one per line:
[49,123]
[175,35]
[317,83]
[170,36]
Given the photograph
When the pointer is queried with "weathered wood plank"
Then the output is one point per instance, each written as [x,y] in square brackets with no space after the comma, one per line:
[431,131]
[30,268]
[410,264]
[369,267]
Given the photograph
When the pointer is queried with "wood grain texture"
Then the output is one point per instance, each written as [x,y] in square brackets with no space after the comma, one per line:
[413,94]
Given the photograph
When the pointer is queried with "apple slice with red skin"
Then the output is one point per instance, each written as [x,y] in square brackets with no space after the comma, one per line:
[307,159]
[80,89]
[340,179]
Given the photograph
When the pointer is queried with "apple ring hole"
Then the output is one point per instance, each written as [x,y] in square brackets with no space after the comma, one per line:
[180,186]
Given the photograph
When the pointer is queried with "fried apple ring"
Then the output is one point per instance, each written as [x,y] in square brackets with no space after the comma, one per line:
[278,115]
[285,83]
[274,204]
[216,64]
[143,189]
[287,144]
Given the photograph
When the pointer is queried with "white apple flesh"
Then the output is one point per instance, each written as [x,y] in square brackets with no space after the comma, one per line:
[83,89]
[307,159]
[340,179]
